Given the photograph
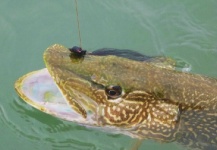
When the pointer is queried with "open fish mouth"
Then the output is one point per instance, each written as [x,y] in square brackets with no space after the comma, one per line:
[38,89]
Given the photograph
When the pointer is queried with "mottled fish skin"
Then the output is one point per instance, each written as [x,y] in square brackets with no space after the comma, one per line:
[155,103]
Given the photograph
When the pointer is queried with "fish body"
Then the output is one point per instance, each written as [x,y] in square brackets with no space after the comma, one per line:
[138,98]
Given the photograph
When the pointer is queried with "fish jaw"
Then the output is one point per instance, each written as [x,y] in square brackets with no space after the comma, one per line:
[38,89]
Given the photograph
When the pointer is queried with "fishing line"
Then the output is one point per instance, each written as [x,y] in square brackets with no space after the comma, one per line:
[78,23]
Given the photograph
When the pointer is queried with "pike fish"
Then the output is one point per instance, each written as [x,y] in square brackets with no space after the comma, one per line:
[127,93]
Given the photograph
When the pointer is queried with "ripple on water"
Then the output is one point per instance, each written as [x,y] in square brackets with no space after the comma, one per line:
[38,126]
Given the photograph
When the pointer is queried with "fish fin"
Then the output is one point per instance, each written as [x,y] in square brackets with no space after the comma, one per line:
[125,53]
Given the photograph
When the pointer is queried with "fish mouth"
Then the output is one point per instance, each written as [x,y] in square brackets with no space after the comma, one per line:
[38,89]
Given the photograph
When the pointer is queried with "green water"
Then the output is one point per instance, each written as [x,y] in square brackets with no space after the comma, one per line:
[184,29]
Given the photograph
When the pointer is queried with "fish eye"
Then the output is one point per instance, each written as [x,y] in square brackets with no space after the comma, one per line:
[113,92]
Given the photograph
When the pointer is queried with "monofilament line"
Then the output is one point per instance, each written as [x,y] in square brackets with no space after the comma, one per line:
[79,32]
